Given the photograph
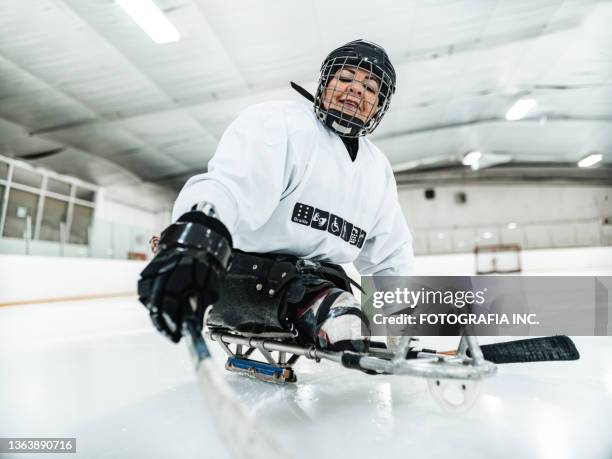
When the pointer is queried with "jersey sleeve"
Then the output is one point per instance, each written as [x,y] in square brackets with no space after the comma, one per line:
[388,249]
[248,173]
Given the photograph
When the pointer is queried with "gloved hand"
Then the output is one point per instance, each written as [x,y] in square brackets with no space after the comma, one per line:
[193,257]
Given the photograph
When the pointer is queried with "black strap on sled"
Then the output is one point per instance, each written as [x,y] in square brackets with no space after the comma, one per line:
[341,275]
[335,272]
[326,311]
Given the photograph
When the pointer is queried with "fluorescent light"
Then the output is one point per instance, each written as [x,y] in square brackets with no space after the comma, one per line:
[589,160]
[487,235]
[512,225]
[520,108]
[440,235]
[150,19]
[471,159]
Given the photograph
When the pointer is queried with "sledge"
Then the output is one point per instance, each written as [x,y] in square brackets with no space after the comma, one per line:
[453,377]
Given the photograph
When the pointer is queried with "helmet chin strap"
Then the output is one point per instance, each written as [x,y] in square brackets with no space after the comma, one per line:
[338,121]
[339,128]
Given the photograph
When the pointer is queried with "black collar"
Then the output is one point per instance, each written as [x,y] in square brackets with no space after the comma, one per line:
[352,146]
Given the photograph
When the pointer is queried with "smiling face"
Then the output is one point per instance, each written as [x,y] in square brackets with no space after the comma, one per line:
[354,92]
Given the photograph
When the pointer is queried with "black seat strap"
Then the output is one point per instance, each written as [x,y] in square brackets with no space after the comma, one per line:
[339,274]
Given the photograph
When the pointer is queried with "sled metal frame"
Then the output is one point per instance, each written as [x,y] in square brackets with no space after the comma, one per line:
[266,346]
[433,366]
[277,369]
[467,364]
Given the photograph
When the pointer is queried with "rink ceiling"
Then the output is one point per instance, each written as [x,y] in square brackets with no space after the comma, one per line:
[81,81]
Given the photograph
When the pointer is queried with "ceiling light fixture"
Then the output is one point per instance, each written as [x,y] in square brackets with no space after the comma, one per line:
[472,159]
[590,160]
[150,19]
[520,108]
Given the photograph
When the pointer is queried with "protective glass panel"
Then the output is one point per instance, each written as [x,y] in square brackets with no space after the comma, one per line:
[139,244]
[82,218]
[4,167]
[59,187]
[21,205]
[2,203]
[54,217]
[85,194]
[26,177]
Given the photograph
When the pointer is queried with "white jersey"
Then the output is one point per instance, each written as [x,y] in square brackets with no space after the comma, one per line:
[284,183]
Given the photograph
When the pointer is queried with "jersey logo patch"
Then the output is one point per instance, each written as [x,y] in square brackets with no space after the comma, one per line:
[320,219]
[335,225]
[323,220]
[302,214]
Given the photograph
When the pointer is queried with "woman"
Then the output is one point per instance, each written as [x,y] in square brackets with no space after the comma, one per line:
[290,193]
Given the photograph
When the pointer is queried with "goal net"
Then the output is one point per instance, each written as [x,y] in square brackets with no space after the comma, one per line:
[498,259]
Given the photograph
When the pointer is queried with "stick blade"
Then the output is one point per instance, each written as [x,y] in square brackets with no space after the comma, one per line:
[545,349]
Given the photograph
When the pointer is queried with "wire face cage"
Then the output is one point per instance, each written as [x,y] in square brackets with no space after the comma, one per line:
[354,90]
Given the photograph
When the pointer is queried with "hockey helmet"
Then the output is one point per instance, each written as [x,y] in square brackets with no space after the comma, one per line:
[366,56]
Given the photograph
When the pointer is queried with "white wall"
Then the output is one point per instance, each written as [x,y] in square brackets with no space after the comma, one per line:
[545,216]
[501,204]
[579,261]
[34,278]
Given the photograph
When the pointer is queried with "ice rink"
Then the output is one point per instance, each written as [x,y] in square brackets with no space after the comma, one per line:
[97,370]
[142,141]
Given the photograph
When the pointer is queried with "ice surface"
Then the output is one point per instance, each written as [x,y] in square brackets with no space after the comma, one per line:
[98,371]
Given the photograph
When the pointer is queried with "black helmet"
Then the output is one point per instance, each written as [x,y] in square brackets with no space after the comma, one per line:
[366,56]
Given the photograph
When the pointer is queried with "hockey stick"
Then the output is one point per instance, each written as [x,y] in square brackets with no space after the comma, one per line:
[544,349]
[235,424]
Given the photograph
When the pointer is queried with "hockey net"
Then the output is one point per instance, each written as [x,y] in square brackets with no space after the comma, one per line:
[498,259]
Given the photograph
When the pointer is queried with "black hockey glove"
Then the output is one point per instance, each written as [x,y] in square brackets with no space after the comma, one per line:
[186,274]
